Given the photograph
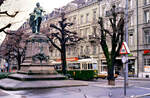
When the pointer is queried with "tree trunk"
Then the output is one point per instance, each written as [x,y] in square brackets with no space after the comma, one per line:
[111,79]
[19,63]
[63,59]
[111,82]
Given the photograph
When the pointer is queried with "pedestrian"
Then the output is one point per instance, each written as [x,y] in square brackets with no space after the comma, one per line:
[2,68]
[6,67]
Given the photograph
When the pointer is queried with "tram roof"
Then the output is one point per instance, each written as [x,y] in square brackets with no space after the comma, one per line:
[88,60]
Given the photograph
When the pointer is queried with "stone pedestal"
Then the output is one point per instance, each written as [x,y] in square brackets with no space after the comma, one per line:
[37,56]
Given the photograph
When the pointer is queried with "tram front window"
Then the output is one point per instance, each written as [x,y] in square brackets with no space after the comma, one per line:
[58,66]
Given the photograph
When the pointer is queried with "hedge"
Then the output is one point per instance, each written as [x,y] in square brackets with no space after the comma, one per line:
[82,74]
[4,74]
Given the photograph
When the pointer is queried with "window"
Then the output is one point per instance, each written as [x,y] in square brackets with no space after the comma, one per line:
[146,61]
[87,50]
[87,17]
[103,11]
[90,66]
[52,53]
[81,51]
[94,30]
[74,51]
[84,66]
[81,21]
[147,37]
[104,66]
[146,16]
[86,32]
[94,15]
[146,2]
[74,19]
[81,32]
[131,20]
[74,65]
[69,51]
[131,41]
[130,4]
[94,49]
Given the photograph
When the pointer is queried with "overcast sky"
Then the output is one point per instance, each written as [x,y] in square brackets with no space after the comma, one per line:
[25,7]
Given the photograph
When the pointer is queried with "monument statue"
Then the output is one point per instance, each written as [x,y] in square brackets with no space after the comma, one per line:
[36,18]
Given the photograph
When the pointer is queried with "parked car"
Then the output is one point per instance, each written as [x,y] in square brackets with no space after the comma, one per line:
[104,75]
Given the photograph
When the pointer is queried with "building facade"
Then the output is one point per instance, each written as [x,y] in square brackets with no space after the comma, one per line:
[143,38]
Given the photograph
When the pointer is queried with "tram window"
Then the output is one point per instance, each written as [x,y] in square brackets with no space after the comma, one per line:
[74,66]
[84,66]
[58,66]
[95,66]
[90,66]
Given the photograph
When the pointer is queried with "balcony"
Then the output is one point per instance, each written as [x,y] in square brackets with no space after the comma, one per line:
[92,38]
[147,24]
[70,43]
[144,46]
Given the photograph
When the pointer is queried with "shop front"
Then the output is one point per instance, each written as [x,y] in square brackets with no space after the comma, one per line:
[118,67]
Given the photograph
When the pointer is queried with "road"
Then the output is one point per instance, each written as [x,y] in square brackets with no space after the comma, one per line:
[94,90]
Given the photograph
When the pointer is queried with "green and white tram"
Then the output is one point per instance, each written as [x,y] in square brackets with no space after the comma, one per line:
[82,69]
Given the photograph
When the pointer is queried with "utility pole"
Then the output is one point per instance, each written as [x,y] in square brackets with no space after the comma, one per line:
[126,39]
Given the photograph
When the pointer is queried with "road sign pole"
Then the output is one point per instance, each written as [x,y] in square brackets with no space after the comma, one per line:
[124,79]
[126,39]
[124,61]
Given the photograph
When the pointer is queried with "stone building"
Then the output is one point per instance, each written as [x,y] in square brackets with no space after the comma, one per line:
[84,14]
[143,41]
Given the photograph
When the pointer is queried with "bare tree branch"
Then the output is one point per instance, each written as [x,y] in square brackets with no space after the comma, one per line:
[6,13]
[50,39]
[54,26]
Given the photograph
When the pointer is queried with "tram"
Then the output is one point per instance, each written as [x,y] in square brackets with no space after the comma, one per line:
[82,69]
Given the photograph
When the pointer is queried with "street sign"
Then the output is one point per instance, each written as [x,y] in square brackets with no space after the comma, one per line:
[124,48]
[124,59]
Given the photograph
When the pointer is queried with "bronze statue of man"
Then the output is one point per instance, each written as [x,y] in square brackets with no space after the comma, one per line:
[36,18]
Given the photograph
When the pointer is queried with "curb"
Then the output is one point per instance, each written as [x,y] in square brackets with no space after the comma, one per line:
[139,96]
[30,88]
[147,79]
[107,86]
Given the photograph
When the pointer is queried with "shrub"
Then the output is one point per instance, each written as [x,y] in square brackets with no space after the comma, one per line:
[4,75]
[82,74]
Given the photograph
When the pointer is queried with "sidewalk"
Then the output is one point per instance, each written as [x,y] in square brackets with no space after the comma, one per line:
[117,91]
[114,91]
[10,84]
[134,78]
[3,94]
